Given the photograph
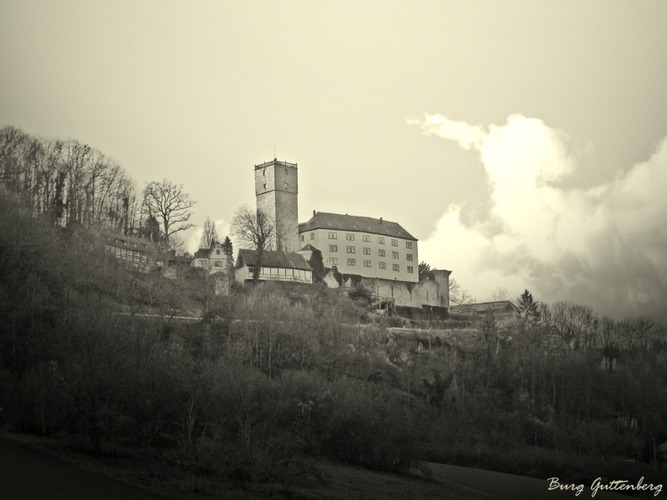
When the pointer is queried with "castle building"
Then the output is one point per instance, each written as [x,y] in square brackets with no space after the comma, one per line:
[365,246]
[276,191]
[379,253]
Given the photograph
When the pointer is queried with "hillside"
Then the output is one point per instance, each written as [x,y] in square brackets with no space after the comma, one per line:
[275,379]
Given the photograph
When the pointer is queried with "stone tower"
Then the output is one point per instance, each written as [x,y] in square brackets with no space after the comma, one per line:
[277,189]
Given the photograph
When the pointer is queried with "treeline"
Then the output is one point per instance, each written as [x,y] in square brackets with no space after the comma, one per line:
[68,181]
[559,378]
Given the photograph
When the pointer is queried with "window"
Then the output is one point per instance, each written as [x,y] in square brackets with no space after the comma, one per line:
[381,240]
[411,269]
[265,185]
[367,263]
[380,253]
[349,236]
[351,262]
[217,252]
[396,268]
[312,236]
[333,248]
[333,261]
[408,244]
[217,263]
[394,243]
[383,265]
[333,236]
[408,257]
[302,237]
[350,249]
[367,250]
[264,172]
[366,238]
[394,255]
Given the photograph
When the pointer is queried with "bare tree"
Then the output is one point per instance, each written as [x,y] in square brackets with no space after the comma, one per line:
[170,205]
[576,324]
[209,236]
[499,294]
[254,228]
[457,295]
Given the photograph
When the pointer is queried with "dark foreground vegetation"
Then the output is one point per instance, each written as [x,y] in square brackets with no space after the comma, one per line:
[275,379]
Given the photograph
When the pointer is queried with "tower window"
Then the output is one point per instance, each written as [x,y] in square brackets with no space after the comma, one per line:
[265,185]
[367,263]
[367,250]
[394,255]
[394,243]
[380,253]
[350,249]
[408,257]
[383,265]
[264,172]
[312,236]
[350,236]
[333,236]
[366,238]
[396,267]
[408,244]
[351,262]
[381,240]
[333,248]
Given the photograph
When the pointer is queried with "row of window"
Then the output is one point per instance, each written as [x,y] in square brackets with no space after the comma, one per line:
[273,271]
[333,261]
[365,237]
[367,251]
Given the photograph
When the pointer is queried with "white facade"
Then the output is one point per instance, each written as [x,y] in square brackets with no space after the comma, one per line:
[392,255]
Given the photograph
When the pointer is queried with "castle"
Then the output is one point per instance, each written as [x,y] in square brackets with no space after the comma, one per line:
[378,253]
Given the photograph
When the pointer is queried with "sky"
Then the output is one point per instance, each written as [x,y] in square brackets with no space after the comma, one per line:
[523,143]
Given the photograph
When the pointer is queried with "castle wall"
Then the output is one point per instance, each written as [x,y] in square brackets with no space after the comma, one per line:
[432,291]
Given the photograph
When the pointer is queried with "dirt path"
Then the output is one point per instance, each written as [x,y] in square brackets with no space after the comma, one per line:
[29,474]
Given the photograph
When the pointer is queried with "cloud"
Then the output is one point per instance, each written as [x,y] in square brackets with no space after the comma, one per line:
[605,246]
[467,136]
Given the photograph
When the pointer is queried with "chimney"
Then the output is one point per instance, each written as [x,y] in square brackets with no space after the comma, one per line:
[314,212]
[380,220]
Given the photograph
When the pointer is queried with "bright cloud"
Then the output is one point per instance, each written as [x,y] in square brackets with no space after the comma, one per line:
[606,247]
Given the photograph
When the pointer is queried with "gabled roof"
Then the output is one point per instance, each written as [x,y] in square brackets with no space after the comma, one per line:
[273,258]
[202,253]
[325,220]
[308,248]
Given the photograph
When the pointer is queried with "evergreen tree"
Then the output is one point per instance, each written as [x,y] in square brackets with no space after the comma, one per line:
[227,247]
[528,307]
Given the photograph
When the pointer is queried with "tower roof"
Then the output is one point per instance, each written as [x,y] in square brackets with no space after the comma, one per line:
[275,162]
[325,220]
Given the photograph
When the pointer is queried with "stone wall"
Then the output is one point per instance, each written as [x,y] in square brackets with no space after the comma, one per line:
[432,291]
